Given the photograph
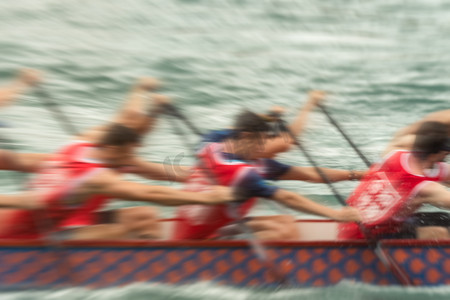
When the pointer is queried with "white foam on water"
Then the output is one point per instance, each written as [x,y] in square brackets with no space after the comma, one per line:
[345,290]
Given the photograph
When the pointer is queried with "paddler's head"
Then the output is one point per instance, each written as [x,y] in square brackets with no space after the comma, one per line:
[251,132]
[118,145]
[432,141]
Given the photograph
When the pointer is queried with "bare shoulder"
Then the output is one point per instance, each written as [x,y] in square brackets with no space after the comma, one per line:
[105,177]
[442,116]
[94,134]
[401,142]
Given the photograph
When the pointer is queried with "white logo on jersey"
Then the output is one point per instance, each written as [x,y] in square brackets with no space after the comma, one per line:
[377,199]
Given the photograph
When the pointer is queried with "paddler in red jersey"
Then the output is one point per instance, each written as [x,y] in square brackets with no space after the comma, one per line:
[139,112]
[79,179]
[394,189]
[10,160]
[240,161]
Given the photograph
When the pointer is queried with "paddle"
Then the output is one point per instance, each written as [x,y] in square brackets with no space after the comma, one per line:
[347,138]
[64,121]
[6,143]
[53,106]
[396,270]
[256,245]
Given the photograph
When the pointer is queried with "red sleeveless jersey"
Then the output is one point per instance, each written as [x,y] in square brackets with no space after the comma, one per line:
[57,180]
[202,221]
[384,195]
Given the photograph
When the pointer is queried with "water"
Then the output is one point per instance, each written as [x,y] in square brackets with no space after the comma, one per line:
[344,290]
[384,63]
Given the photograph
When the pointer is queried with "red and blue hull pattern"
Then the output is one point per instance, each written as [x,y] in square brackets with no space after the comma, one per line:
[36,264]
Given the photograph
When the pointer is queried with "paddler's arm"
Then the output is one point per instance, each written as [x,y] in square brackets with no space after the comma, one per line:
[135,113]
[24,200]
[310,174]
[434,194]
[442,116]
[400,142]
[283,142]
[109,184]
[251,184]
[299,123]
[404,138]
[157,171]
[303,204]
[138,98]
[142,108]
[11,92]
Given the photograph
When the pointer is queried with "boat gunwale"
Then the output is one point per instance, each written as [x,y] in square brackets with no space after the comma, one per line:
[391,243]
[25,243]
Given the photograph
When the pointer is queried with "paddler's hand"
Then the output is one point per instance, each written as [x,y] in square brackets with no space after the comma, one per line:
[160,104]
[277,110]
[148,84]
[161,100]
[316,97]
[275,113]
[220,194]
[30,77]
[348,214]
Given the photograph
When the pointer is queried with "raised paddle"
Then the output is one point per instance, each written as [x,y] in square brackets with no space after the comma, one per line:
[53,242]
[256,245]
[58,113]
[400,274]
[347,138]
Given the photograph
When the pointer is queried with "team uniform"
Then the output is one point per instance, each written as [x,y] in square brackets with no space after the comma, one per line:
[218,167]
[384,197]
[56,182]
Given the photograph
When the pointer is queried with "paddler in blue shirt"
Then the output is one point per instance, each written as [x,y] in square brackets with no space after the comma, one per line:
[198,222]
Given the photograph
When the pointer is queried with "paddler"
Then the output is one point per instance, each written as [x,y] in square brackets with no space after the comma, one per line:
[242,158]
[394,189]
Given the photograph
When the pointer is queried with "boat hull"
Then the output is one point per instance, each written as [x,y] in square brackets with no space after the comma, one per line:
[35,264]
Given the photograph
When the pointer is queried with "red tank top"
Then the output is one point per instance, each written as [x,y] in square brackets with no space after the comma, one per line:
[57,180]
[202,221]
[384,195]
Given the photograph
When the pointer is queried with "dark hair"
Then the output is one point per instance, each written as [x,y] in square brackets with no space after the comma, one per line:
[119,135]
[431,137]
[248,121]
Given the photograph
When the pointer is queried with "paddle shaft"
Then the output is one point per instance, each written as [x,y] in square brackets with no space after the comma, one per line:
[59,115]
[313,163]
[172,110]
[9,144]
[255,244]
[53,242]
[346,137]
